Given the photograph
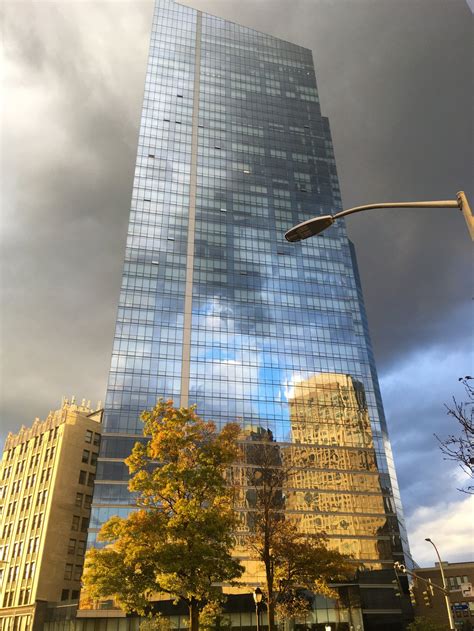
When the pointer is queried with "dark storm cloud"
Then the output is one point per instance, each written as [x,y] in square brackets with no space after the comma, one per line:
[394,78]
[69,140]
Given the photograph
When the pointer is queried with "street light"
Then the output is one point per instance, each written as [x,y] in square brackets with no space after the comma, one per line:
[445,587]
[316,225]
[257,596]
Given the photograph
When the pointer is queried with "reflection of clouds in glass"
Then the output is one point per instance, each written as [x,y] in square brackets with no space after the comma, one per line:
[225,365]
[215,315]
[288,385]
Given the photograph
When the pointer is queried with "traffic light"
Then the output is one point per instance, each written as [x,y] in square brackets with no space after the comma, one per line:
[400,567]
[413,596]
[397,587]
[427,597]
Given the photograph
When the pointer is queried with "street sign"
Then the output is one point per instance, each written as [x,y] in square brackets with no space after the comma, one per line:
[460,606]
[466,589]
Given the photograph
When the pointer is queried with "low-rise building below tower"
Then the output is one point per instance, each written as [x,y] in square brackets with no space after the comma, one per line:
[47,475]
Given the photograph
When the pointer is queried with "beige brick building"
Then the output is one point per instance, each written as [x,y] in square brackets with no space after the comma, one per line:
[47,477]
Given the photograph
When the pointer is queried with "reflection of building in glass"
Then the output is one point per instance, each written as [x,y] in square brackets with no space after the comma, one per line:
[334,481]
[215,307]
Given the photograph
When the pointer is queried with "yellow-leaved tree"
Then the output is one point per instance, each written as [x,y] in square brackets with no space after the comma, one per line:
[180,540]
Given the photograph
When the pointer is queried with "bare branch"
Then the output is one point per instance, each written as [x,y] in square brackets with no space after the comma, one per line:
[460,448]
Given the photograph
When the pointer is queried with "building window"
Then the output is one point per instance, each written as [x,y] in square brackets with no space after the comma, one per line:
[91,479]
[89,434]
[96,439]
[82,477]
[77,572]
[94,459]
[68,572]
[4,552]
[41,499]
[88,501]
[75,522]
[79,497]
[75,594]
[39,520]
[71,548]
[65,594]
[85,456]
[81,547]
[84,524]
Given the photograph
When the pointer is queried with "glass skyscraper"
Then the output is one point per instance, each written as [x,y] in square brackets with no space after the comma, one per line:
[217,309]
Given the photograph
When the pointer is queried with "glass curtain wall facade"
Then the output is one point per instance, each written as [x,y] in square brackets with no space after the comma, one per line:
[216,308]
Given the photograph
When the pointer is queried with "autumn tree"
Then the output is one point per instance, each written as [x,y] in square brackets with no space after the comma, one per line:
[292,561]
[304,563]
[459,447]
[180,540]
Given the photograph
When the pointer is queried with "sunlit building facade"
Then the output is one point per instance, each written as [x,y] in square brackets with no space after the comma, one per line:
[47,474]
[217,309]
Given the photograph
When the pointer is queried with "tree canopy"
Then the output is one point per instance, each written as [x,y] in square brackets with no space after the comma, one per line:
[180,540]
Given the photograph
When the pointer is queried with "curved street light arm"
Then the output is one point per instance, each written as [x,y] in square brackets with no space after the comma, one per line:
[443,578]
[449,203]
[317,224]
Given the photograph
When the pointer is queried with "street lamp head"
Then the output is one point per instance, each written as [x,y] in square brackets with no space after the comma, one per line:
[257,595]
[309,228]
[427,539]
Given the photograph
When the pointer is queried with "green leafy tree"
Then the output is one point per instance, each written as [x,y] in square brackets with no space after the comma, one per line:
[293,562]
[424,624]
[180,541]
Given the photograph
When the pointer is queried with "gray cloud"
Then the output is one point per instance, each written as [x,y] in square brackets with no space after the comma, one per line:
[393,78]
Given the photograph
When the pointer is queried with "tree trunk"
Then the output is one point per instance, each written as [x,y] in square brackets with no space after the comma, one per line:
[193,615]
[271,614]
[270,594]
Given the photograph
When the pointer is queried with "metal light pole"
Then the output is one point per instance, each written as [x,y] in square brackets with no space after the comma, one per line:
[316,225]
[257,596]
[445,587]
